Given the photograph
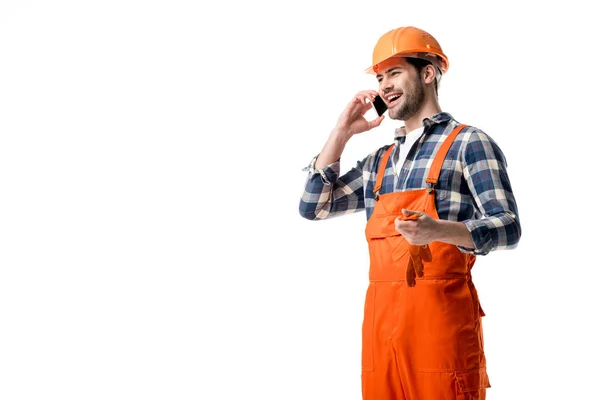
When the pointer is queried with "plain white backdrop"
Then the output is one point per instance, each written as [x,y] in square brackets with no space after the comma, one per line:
[151,157]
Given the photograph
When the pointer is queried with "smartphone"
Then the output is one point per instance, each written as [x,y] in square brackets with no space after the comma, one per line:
[380,106]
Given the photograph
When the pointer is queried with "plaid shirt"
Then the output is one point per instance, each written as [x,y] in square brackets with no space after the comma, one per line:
[473,186]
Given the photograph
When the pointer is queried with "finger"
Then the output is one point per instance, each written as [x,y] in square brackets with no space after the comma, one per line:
[410,215]
[358,106]
[404,227]
[363,97]
[365,107]
[408,212]
[370,93]
[400,225]
[376,122]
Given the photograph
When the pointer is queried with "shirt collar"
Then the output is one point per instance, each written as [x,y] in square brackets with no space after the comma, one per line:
[428,122]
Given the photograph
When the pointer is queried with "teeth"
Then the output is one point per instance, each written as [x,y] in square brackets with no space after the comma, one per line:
[394,97]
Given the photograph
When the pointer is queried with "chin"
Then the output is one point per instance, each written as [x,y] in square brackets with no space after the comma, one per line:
[395,116]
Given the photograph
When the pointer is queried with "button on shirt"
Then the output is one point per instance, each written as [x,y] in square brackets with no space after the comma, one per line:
[473,187]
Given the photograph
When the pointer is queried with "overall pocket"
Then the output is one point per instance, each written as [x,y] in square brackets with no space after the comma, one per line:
[470,383]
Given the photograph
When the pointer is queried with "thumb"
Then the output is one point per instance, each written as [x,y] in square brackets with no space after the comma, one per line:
[408,213]
[376,122]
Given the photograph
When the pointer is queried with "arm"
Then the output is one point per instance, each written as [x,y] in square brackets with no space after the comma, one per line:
[424,230]
[485,173]
[326,194]
[455,233]
[333,149]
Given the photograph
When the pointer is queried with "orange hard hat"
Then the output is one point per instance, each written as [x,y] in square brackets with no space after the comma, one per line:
[408,41]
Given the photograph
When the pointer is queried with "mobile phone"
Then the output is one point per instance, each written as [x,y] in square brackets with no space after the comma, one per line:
[380,105]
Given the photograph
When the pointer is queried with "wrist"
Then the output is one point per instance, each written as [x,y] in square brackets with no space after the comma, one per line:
[453,232]
[340,135]
[437,233]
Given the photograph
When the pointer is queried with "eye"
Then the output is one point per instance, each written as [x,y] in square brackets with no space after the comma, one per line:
[395,73]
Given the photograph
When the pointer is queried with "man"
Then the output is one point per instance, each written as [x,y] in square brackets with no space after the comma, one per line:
[434,199]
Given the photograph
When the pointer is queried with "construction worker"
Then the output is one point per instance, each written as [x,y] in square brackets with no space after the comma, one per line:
[435,198]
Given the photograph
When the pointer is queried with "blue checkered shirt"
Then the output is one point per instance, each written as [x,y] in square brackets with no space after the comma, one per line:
[473,187]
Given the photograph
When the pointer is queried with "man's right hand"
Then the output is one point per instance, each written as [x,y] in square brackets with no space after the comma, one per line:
[352,120]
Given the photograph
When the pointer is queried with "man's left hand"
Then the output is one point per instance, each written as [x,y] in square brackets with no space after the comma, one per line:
[417,227]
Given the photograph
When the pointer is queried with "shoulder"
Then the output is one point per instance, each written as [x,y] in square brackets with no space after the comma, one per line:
[371,162]
[476,144]
[444,124]
[472,143]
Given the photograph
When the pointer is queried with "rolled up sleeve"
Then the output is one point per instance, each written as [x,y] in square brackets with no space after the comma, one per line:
[328,195]
[496,225]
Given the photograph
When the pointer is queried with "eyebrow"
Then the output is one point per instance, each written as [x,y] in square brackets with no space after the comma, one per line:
[390,70]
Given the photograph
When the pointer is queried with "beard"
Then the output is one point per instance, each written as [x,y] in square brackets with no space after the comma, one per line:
[413,101]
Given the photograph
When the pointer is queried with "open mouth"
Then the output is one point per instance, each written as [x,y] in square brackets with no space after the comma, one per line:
[393,99]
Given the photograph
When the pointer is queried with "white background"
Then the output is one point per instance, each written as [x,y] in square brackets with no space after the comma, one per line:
[151,157]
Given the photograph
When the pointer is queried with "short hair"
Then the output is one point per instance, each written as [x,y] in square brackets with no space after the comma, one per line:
[419,64]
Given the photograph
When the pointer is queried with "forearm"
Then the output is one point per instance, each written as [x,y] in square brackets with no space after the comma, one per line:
[455,233]
[327,195]
[333,149]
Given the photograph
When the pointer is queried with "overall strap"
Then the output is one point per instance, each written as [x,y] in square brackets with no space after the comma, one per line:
[438,161]
[381,171]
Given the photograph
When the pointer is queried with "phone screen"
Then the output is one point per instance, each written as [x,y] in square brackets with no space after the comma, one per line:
[380,106]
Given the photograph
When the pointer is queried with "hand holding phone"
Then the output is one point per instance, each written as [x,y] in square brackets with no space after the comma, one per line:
[352,120]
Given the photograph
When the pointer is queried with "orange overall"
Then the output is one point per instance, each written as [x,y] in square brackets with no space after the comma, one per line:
[422,339]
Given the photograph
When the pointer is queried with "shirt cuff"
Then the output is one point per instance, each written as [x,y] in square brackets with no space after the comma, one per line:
[328,174]
[481,235]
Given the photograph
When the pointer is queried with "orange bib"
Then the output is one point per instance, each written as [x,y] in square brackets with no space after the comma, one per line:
[422,335]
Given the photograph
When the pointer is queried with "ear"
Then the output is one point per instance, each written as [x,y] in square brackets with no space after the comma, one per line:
[428,74]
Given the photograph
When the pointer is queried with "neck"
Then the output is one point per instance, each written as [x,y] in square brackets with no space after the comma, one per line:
[429,109]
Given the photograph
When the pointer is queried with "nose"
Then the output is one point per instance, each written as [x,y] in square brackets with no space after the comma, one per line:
[385,86]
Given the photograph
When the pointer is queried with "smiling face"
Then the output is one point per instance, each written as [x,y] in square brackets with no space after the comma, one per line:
[401,87]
